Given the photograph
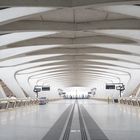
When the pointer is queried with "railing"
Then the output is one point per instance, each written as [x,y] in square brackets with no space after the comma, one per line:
[13,103]
[134,101]
[130,101]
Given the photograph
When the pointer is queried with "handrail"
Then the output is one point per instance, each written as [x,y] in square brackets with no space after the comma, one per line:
[7,103]
[17,99]
[135,101]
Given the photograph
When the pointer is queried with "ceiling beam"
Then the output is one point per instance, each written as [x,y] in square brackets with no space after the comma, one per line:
[34,25]
[72,41]
[9,15]
[75,74]
[33,3]
[78,51]
[89,63]
[12,38]
[62,78]
[129,10]
[102,2]
[62,3]
[100,67]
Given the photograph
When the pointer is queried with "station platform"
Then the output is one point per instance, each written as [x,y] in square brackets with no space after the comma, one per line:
[71,120]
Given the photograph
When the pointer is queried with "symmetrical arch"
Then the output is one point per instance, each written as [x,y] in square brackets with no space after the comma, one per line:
[68,43]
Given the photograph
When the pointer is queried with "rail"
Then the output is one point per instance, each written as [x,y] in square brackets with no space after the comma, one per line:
[14,103]
[134,101]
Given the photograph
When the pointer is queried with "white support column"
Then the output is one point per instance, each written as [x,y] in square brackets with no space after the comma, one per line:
[2,93]
[133,82]
[7,75]
[23,81]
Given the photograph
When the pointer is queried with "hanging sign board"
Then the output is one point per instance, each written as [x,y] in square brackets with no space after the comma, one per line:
[45,88]
[110,86]
[37,88]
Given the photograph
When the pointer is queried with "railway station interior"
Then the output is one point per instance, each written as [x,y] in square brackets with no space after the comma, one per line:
[69,69]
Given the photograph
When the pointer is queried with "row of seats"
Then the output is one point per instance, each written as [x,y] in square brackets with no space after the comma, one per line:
[13,103]
[130,101]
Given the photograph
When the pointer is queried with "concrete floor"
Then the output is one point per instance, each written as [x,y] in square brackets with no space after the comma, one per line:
[118,122]
[30,123]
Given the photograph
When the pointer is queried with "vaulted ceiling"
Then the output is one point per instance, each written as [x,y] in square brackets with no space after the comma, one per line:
[70,42]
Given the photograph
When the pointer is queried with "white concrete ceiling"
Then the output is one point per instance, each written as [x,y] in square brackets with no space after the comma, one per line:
[73,42]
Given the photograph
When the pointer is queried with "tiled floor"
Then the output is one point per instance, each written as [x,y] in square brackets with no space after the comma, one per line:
[118,122]
[30,123]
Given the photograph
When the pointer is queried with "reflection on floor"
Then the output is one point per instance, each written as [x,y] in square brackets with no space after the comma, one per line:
[118,122]
[30,123]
